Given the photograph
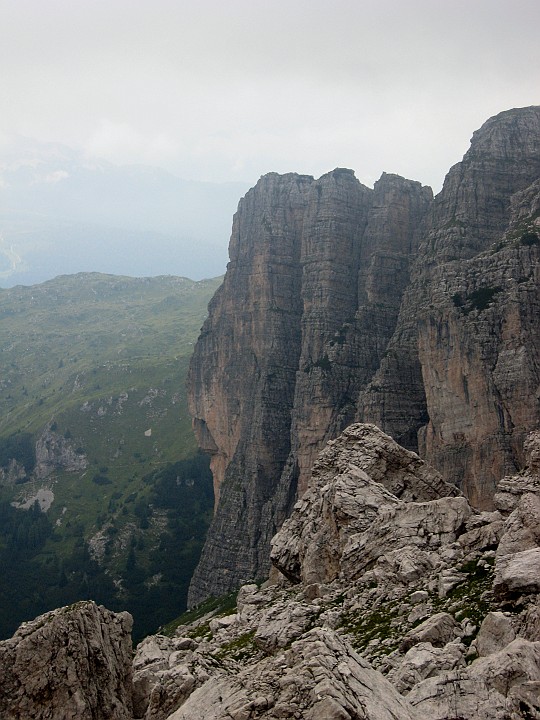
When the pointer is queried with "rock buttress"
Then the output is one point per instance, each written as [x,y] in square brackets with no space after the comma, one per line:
[462,370]
[307,307]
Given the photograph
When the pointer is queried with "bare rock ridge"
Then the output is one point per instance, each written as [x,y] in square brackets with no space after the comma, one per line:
[412,607]
[391,597]
[468,331]
[342,303]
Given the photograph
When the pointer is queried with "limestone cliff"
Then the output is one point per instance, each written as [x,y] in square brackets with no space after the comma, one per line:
[465,354]
[308,305]
[343,303]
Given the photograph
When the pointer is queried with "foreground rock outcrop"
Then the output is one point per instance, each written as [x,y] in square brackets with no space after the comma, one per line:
[343,303]
[70,664]
[390,597]
[412,607]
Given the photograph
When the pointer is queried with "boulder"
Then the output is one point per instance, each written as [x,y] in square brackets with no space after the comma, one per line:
[488,689]
[496,632]
[424,660]
[518,572]
[439,629]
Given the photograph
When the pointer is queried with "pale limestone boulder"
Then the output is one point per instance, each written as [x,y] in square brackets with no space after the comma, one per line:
[424,660]
[439,629]
[357,479]
[156,695]
[249,602]
[310,544]
[483,537]
[319,678]
[222,623]
[69,664]
[489,689]
[404,565]
[167,670]
[283,623]
[496,632]
[401,471]
[153,650]
[426,526]
[522,528]
[518,573]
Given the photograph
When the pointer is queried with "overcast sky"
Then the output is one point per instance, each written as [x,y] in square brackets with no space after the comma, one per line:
[231,89]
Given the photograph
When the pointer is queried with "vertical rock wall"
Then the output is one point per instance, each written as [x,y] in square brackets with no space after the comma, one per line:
[307,307]
[462,367]
[343,303]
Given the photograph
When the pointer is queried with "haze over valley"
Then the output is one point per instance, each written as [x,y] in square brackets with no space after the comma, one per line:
[62,213]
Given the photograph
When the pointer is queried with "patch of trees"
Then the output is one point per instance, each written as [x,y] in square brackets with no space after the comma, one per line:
[157,582]
[154,578]
[35,580]
[19,446]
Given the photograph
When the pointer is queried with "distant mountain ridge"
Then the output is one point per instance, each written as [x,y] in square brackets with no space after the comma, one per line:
[61,213]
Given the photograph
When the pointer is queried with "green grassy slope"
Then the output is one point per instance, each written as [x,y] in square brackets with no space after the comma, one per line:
[100,362]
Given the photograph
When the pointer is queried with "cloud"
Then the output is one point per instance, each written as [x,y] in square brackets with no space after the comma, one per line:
[56,176]
[217,91]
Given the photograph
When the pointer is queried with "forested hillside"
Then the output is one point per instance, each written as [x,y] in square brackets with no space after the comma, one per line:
[103,493]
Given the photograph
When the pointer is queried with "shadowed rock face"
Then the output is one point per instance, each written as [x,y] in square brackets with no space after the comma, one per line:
[345,304]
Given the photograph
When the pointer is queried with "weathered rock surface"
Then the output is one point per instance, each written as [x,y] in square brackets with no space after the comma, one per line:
[492,688]
[496,632]
[438,630]
[320,678]
[423,661]
[467,340]
[347,521]
[54,452]
[427,623]
[13,472]
[416,626]
[518,572]
[342,303]
[70,664]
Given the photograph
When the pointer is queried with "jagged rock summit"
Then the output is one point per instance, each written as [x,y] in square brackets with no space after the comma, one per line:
[422,608]
[343,303]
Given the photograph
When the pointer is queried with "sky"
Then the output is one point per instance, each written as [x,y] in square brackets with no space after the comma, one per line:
[222,90]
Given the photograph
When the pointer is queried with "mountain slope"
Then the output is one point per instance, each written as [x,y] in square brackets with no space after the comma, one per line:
[94,426]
